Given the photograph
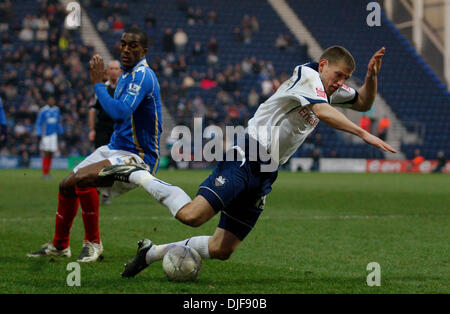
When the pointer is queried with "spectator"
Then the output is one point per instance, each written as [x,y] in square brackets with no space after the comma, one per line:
[6,40]
[212,18]
[266,89]
[315,155]
[180,40]
[237,35]
[26,34]
[213,46]
[150,29]
[198,16]
[281,42]
[383,127]
[197,53]
[168,45]
[417,160]
[212,59]
[118,24]
[254,24]
[190,16]
[253,100]
[365,123]
[442,161]
[246,22]
[247,35]
[103,26]
[150,18]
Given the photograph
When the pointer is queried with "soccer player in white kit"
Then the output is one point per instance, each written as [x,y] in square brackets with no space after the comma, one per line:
[238,188]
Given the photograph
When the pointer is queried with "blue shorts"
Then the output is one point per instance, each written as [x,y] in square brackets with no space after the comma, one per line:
[238,191]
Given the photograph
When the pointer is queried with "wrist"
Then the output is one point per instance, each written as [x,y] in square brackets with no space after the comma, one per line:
[371,75]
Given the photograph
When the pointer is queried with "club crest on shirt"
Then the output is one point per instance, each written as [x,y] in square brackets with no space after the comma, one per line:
[220,181]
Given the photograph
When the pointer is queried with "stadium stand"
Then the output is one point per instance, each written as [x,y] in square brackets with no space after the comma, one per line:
[410,87]
[40,58]
[237,53]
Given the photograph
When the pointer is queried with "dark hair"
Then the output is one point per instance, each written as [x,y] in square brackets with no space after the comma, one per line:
[335,54]
[143,39]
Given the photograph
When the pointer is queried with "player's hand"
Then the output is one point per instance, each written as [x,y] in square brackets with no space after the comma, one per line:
[97,70]
[92,135]
[375,62]
[377,142]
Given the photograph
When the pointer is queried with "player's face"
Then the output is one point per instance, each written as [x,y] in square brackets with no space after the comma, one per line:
[131,51]
[114,71]
[51,101]
[333,75]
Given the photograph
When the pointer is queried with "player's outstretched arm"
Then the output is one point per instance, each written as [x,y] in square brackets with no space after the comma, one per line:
[334,118]
[368,92]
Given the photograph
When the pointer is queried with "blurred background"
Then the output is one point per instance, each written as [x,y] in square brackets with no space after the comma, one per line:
[219,59]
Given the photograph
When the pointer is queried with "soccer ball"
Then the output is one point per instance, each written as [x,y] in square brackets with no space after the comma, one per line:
[182,263]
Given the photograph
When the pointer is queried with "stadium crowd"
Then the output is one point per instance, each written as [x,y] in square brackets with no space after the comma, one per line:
[39,58]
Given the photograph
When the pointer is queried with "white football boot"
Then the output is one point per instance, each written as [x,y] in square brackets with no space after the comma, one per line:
[90,252]
[49,249]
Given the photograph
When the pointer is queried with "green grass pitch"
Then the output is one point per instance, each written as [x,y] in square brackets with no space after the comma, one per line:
[316,235]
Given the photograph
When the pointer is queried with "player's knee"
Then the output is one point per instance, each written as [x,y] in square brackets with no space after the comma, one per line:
[82,178]
[67,187]
[189,217]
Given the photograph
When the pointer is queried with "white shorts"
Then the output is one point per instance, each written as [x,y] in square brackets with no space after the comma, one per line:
[115,157]
[49,143]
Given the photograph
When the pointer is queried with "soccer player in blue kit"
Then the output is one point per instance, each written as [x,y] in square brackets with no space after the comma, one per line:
[136,109]
[48,128]
[237,188]
[3,126]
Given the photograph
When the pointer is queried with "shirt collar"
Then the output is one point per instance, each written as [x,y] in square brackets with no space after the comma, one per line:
[142,61]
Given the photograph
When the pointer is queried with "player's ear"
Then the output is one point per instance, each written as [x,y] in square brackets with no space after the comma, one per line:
[322,64]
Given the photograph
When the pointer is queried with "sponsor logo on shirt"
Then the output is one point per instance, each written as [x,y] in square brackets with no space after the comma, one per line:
[133,89]
[346,87]
[321,93]
[310,119]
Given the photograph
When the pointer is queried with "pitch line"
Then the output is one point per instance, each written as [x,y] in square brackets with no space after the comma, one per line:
[329,217]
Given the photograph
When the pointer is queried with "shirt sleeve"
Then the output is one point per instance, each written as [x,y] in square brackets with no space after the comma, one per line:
[123,108]
[60,126]
[2,114]
[344,97]
[306,87]
[38,126]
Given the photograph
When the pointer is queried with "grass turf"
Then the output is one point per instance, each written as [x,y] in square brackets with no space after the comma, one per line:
[317,234]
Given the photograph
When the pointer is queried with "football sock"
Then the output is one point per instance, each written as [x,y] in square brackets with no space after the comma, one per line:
[45,165]
[199,243]
[67,210]
[89,200]
[49,164]
[169,195]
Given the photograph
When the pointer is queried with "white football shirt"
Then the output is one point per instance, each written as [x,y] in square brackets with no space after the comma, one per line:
[285,120]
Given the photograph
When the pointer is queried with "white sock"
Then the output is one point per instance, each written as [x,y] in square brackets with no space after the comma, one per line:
[169,195]
[199,243]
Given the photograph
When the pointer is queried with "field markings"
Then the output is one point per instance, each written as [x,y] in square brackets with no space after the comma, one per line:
[329,217]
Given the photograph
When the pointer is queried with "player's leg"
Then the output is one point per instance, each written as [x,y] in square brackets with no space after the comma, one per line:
[74,189]
[85,180]
[218,246]
[171,196]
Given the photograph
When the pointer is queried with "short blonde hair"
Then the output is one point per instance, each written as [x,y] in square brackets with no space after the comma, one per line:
[335,54]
